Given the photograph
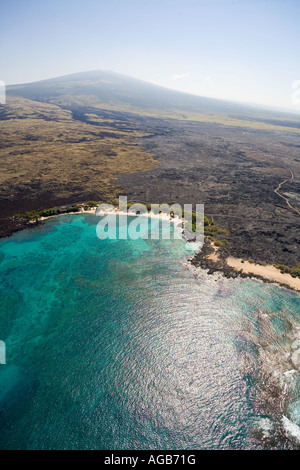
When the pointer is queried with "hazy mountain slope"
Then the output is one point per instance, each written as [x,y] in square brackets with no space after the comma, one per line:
[110,90]
[110,87]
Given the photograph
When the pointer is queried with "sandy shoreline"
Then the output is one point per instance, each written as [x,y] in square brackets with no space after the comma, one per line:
[209,258]
[268,272]
[176,220]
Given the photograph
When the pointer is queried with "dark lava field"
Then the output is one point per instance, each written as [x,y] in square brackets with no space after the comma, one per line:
[233,171]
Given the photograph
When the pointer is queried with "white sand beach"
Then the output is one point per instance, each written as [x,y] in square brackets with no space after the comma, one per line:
[268,272]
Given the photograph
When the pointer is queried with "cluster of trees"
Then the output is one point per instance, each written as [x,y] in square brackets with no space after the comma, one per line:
[90,204]
[34,215]
[213,232]
[294,271]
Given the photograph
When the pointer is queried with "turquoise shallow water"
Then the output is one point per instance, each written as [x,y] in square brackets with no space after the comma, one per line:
[121,345]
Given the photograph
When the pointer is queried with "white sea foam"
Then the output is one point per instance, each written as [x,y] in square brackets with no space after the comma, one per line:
[292,429]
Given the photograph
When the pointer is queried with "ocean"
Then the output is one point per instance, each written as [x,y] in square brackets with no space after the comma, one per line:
[122,344]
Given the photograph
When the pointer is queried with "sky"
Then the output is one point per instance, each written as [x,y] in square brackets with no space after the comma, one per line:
[243,50]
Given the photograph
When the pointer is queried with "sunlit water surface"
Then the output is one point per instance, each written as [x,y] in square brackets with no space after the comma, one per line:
[121,345]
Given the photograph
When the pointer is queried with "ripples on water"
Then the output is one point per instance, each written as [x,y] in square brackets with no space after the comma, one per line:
[122,345]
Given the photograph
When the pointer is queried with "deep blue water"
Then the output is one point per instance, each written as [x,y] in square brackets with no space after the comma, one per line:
[121,345]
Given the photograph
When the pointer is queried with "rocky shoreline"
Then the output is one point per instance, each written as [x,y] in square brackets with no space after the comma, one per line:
[275,370]
[208,259]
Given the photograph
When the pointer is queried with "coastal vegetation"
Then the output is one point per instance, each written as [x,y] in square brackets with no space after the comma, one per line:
[35,215]
[214,233]
[211,231]
[294,271]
